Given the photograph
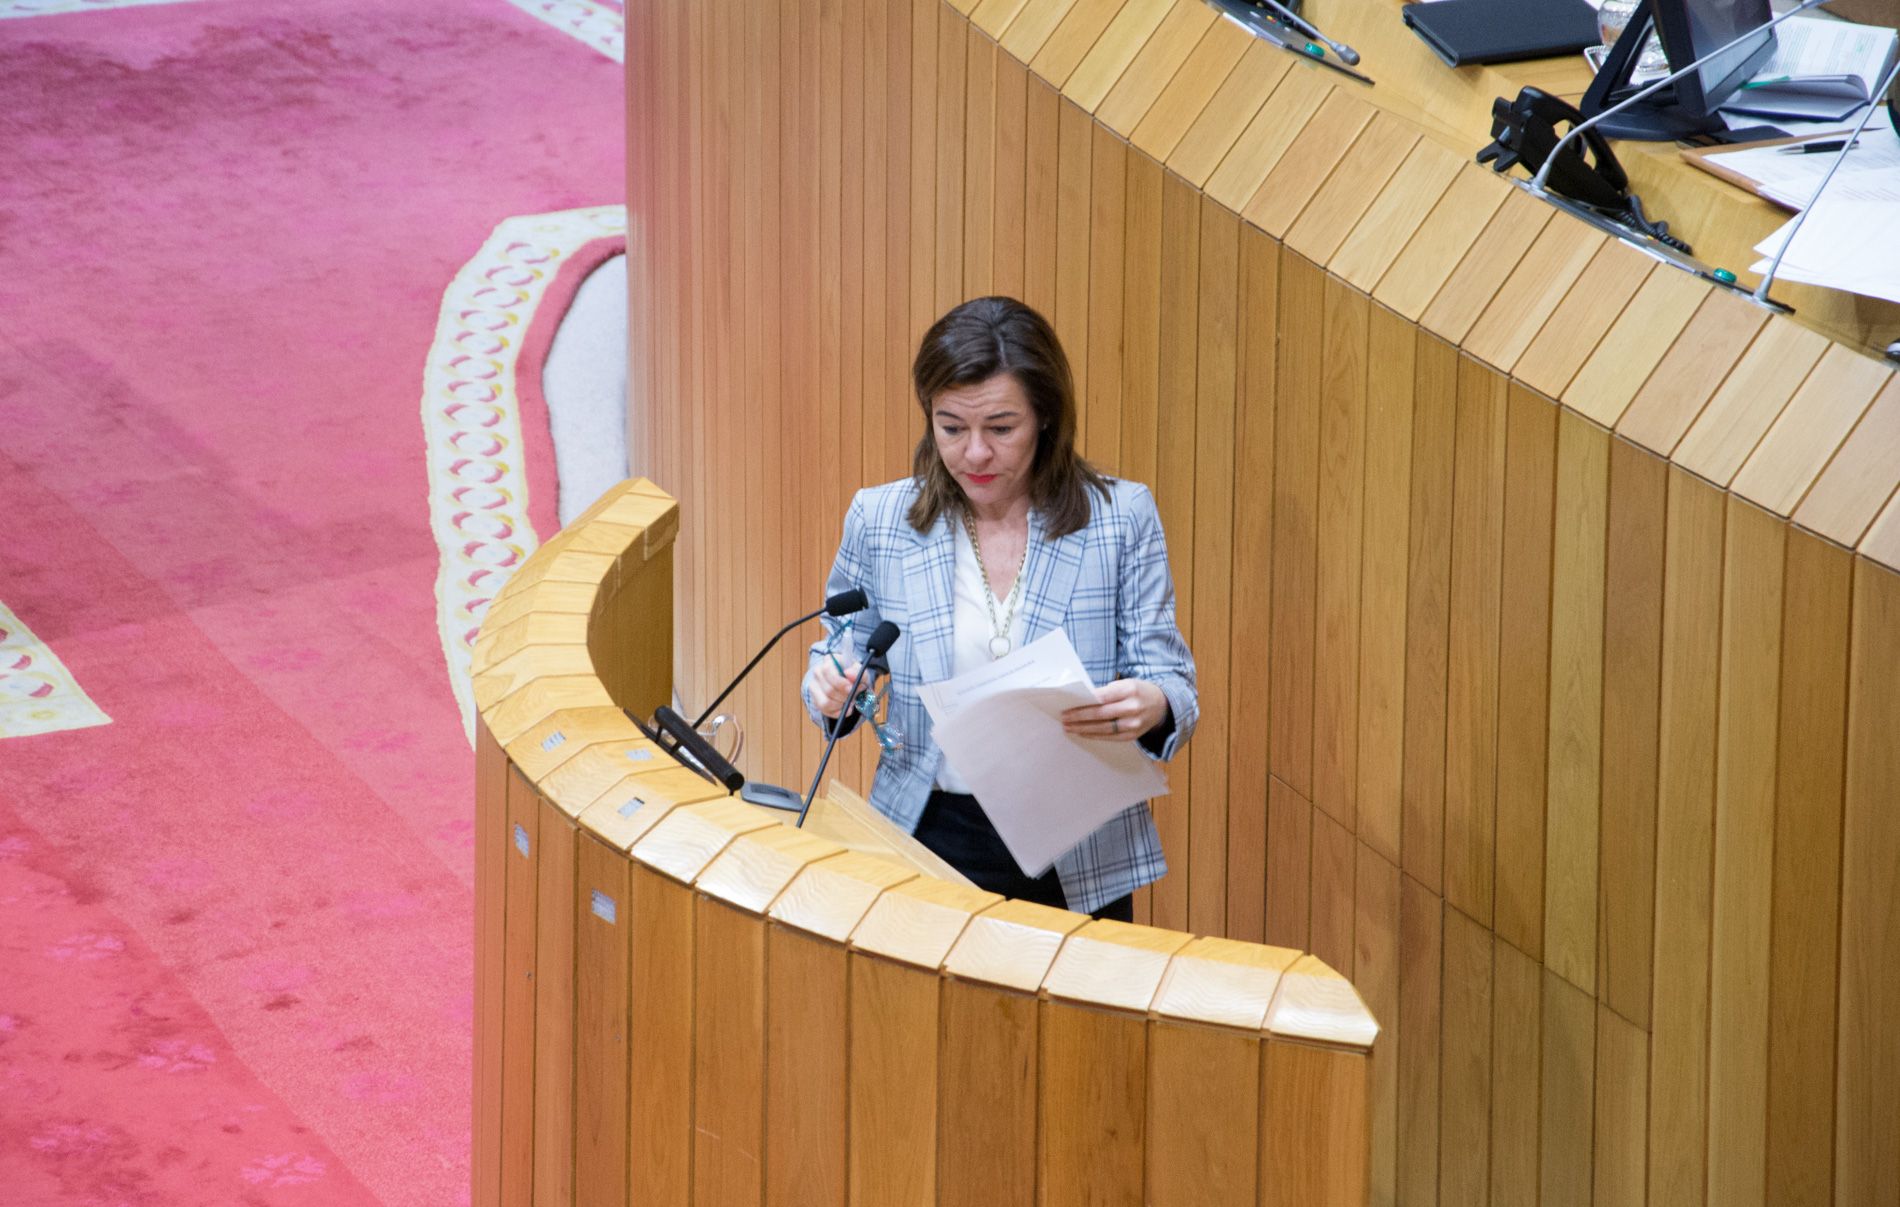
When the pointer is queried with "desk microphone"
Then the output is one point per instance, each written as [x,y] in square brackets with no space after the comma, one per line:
[1543,174]
[1347,54]
[842,604]
[1768,278]
[882,639]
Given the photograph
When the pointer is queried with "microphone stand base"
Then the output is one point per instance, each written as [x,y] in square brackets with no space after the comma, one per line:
[1653,248]
[771,796]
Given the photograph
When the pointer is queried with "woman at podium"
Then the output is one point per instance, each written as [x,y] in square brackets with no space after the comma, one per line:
[1003,533]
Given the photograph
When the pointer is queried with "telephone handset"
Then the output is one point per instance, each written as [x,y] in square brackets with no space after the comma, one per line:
[1525,130]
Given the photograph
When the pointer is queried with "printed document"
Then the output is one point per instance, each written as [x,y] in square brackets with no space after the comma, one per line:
[1044,790]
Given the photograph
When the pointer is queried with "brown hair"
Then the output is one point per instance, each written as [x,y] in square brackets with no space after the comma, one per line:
[973,343]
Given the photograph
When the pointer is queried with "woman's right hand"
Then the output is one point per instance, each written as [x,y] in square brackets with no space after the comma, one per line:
[829,689]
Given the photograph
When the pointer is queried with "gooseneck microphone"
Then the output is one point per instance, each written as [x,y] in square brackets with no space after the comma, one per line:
[842,604]
[1543,174]
[1347,54]
[882,639]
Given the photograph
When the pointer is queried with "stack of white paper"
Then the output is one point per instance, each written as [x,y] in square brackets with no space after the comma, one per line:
[1870,172]
[1848,242]
[1043,789]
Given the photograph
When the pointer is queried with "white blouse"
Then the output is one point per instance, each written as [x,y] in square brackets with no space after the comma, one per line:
[971,630]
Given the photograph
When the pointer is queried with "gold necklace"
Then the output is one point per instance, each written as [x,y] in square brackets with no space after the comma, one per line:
[999,640]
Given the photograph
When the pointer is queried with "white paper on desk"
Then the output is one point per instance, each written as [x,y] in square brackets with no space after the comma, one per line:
[1043,789]
[1846,243]
[1870,172]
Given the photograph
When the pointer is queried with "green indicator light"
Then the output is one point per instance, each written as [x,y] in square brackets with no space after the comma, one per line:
[1725,276]
[1315,51]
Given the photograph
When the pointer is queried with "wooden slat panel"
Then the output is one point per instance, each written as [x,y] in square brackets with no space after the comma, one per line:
[1421,940]
[1302,1083]
[1867,1098]
[1213,535]
[1333,890]
[1295,486]
[1471,206]
[1139,26]
[981,146]
[1092,1119]
[1744,856]
[517,1004]
[1641,337]
[1428,603]
[1155,65]
[492,844]
[1395,215]
[1862,476]
[1070,41]
[1074,139]
[1576,701]
[1805,965]
[1326,221]
[1464,1107]
[1250,591]
[1108,196]
[1264,142]
[1375,974]
[1882,542]
[1510,235]
[804,1085]
[1289,864]
[1685,827]
[728,1054]
[1008,219]
[1815,422]
[952,89]
[1035,20]
[1039,198]
[1536,286]
[1203,1122]
[1192,90]
[1622,1109]
[554,1008]
[1517,1044]
[1602,294]
[987,1051]
[1472,663]
[893,1083]
[1340,506]
[605,1016]
[1728,428]
[1308,161]
[1235,105]
[994,17]
[1569,1078]
[1712,343]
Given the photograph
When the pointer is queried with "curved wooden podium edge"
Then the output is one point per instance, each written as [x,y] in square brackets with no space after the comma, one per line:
[556,726]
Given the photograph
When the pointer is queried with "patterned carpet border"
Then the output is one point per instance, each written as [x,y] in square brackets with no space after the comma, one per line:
[37,693]
[601,26]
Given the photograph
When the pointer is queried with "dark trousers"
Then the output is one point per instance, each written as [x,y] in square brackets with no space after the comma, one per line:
[955,827]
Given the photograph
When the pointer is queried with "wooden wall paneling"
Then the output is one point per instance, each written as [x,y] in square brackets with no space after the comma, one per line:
[1074,156]
[1576,701]
[762,708]
[1471,675]
[1710,346]
[1250,587]
[1315,151]
[1008,217]
[1568,1137]
[1141,350]
[603,906]
[1108,197]
[815,529]
[1524,620]
[1289,865]
[1335,861]
[1134,51]
[1392,218]
[1427,613]
[1803,990]
[1549,272]
[1213,488]
[1469,206]
[1464,1107]
[1070,42]
[899,337]
[952,36]
[733,234]
[987,1062]
[1867,1095]
[492,844]
[728,1053]
[1174,487]
[1757,389]
[1509,239]
[1861,478]
[1881,545]
[1200,1157]
[804,1083]
[1339,511]
[1420,1037]
[981,146]
[1739,966]
[856,283]
[1301,1082]
[656,1023]
[1232,110]
[1295,521]
[1352,188]
[1092,1117]
[1517,1047]
[1632,678]
[1807,433]
[517,1003]
[882,407]
[925,156]
[1685,827]
[1039,199]
[1601,294]
[1622,1110]
[559,843]
[993,17]
[1193,87]
[892,1073]
[1035,20]
[1375,974]
[1264,142]
[1635,345]
[1391,355]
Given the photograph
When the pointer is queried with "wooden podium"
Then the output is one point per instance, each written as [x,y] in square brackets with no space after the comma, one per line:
[681,999]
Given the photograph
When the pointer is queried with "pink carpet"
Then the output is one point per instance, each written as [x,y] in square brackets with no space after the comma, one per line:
[235,924]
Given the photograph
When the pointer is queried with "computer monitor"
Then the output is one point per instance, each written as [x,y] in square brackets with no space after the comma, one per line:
[1689,29]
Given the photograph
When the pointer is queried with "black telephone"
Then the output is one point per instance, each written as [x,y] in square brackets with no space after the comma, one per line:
[1524,131]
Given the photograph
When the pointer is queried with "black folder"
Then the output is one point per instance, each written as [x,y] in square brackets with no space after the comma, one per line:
[1498,31]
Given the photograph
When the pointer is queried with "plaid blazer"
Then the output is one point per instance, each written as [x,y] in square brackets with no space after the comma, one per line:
[1107,585]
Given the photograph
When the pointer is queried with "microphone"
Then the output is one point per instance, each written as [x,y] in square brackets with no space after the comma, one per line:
[1347,54]
[1761,290]
[882,639]
[688,749]
[1543,174]
[844,603]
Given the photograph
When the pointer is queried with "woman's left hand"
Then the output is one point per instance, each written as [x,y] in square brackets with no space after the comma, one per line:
[1125,709]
